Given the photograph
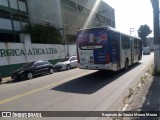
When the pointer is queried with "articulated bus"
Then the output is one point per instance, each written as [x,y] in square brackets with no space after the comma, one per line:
[104,48]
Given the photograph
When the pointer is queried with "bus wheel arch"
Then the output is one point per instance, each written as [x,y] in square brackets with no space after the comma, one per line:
[139,57]
[126,64]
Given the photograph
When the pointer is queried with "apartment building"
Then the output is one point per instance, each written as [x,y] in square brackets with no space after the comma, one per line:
[13,18]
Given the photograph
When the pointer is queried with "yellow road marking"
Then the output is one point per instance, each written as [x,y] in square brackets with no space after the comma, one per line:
[40,89]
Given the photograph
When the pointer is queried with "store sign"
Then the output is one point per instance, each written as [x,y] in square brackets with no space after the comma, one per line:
[24,52]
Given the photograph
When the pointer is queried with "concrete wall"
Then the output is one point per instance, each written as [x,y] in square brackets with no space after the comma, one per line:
[14,55]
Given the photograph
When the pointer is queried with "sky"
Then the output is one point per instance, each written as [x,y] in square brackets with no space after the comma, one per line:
[132,14]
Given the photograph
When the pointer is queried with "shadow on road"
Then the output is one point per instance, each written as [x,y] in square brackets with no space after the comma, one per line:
[22,79]
[91,83]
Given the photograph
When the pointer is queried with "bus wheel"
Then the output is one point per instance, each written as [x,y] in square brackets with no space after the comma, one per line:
[126,65]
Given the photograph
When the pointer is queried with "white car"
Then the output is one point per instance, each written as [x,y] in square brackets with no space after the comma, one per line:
[146,50]
[66,63]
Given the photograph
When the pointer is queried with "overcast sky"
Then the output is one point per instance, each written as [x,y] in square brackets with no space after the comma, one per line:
[132,14]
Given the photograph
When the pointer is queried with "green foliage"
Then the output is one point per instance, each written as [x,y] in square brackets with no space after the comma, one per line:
[44,34]
[143,32]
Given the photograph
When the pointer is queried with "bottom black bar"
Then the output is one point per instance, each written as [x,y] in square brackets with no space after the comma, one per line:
[79,114]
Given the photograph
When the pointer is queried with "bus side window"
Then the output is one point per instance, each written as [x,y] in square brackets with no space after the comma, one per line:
[114,40]
[135,43]
[125,42]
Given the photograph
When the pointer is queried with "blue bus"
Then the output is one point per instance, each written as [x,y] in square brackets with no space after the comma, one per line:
[105,48]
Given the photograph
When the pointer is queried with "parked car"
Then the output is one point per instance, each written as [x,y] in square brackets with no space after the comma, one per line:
[29,70]
[66,63]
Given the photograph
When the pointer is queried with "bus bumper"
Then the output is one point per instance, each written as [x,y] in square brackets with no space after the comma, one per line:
[109,66]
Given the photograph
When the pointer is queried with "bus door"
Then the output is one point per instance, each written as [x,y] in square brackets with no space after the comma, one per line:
[115,48]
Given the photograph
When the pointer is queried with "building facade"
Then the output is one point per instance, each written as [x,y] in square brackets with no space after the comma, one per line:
[13,18]
[80,14]
[71,15]
[45,12]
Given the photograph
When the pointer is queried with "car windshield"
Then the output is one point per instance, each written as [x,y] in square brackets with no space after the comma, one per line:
[64,60]
[27,65]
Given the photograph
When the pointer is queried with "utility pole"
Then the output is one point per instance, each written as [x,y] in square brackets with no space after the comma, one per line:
[155,5]
[132,30]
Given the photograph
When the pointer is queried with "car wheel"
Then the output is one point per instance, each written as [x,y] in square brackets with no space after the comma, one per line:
[29,76]
[51,71]
[68,67]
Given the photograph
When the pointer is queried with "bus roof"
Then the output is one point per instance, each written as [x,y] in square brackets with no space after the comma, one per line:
[112,29]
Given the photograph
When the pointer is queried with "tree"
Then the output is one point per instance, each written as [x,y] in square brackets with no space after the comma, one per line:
[44,34]
[143,32]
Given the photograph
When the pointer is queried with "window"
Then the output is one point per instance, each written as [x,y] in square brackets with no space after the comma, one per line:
[39,63]
[96,16]
[113,23]
[20,17]
[108,21]
[15,16]
[72,59]
[137,43]
[83,10]
[45,62]
[5,14]
[80,9]
[101,18]
[125,42]
[115,40]
[71,5]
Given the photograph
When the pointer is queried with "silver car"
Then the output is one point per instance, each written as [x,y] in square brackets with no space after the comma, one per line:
[66,63]
[146,50]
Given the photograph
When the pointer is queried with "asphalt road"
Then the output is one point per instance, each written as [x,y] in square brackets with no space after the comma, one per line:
[72,90]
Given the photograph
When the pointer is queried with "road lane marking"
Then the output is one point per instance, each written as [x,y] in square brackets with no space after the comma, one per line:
[42,88]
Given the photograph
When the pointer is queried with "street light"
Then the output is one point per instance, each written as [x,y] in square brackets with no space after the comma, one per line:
[132,30]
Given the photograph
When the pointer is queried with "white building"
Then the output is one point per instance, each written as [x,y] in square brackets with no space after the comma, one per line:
[71,15]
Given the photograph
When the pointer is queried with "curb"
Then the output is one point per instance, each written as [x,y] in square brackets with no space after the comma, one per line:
[120,104]
[6,79]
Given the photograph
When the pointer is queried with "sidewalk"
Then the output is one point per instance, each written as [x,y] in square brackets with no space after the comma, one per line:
[146,98]
[6,79]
